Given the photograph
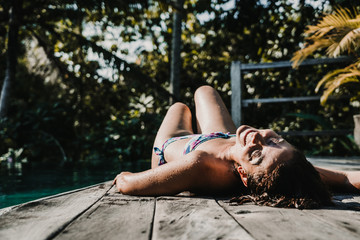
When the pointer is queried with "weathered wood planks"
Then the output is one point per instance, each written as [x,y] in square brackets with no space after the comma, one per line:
[194,218]
[346,164]
[279,223]
[44,218]
[115,216]
[100,213]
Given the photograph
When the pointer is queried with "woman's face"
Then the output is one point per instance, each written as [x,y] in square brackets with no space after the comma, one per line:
[260,150]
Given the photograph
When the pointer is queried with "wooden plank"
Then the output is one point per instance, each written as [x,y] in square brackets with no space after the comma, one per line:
[194,218]
[44,218]
[346,164]
[115,216]
[344,217]
[5,210]
[279,223]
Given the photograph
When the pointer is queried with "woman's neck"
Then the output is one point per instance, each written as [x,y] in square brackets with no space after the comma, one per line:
[226,153]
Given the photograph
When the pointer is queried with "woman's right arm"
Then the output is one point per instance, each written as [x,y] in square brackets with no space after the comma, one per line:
[340,180]
[168,179]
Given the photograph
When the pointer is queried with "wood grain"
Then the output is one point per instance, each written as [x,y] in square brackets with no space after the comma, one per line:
[116,216]
[279,223]
[99,212]
[44,218]
[194,218]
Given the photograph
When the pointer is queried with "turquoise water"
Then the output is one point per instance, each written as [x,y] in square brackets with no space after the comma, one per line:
[16,188]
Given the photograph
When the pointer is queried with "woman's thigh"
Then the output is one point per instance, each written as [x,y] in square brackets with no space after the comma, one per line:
[211,112]
[177,122]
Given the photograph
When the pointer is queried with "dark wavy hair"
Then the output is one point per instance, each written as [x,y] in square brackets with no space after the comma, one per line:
[292,184]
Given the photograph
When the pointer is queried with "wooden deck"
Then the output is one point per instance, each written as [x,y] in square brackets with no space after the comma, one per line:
[98,212]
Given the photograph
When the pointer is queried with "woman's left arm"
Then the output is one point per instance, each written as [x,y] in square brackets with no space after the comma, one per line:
[354,178]
[340,180]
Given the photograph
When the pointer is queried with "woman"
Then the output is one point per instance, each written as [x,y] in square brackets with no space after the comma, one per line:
[257,164]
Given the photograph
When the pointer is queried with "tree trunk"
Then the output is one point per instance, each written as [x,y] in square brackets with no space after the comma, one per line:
[175,51]
[11,57]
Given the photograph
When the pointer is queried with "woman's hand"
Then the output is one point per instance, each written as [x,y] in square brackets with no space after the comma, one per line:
[121,182]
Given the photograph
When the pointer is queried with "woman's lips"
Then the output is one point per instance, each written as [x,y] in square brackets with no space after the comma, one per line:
[246,135]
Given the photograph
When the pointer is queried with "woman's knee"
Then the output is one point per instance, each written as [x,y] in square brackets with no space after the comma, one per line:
[204,91]
[179,107]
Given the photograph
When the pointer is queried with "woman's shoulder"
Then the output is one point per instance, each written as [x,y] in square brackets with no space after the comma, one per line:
[200,155]
[218,174]
[209,160]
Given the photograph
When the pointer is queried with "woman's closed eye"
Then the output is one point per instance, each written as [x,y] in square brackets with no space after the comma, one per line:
[256,157]
[274,141]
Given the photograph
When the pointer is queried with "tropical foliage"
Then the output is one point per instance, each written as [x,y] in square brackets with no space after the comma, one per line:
[92,77]
[339,33]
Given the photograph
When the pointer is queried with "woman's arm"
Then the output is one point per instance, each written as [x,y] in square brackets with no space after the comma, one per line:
[340,180]
[171,178]
[354,179]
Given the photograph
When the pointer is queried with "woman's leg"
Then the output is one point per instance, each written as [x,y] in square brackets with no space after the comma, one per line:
[177,122]
[211,112]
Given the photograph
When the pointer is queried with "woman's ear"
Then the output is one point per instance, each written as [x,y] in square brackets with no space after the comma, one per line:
[243,175]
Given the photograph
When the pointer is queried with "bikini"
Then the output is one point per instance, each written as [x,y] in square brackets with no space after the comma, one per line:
[194,142]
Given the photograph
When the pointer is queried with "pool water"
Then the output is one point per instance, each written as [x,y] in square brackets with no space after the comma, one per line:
[41,182]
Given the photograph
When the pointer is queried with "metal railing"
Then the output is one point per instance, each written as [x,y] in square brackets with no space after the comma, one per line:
[237,103]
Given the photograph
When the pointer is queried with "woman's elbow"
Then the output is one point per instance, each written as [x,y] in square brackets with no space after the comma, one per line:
[124,189]
[123,184]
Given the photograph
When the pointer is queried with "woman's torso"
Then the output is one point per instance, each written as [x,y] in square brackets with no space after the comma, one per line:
[215,144]
[224,168]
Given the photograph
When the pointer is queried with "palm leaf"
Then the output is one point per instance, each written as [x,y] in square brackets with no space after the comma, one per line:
[328,77]
[316,32]
[340,18]
[347,42]
[302,54]
[339,32]
[337,78]
[337,83]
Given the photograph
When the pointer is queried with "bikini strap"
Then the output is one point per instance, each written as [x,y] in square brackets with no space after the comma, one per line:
[196,141]
[160,152]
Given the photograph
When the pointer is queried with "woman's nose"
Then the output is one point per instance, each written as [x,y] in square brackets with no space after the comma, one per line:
[266,133]
[257,139]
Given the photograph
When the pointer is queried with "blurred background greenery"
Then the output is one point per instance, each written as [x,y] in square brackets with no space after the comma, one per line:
[92,77]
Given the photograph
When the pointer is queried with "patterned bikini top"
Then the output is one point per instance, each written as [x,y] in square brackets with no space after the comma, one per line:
[195,141]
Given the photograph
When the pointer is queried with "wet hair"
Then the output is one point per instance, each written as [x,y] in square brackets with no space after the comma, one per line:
[292,184]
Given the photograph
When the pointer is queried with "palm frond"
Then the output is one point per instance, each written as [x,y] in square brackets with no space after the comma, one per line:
[337,78]
[328,77]
[348,41]
[342,17]
[338,32]
[314,32]
[302,54]
[337,83]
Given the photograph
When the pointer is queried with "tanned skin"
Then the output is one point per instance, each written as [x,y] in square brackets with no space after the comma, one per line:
[219,165]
